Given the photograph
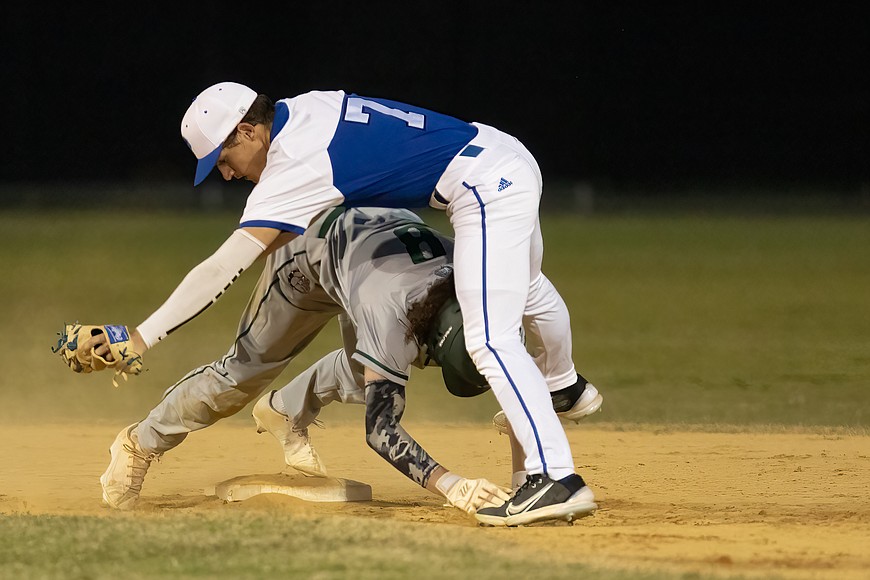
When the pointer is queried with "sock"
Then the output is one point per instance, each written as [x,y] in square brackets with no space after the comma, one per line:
[518,479]
[277,403]
[573,483]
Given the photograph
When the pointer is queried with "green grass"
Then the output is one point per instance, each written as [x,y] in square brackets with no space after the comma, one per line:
[721,320]
[258,545]
[686,319]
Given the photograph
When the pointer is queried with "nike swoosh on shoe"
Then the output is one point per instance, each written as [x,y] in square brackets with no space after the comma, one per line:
[512,509]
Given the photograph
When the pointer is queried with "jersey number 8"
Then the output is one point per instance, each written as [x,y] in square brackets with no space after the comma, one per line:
[420,242]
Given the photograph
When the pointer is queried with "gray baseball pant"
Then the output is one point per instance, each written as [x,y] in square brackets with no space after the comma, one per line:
[284,314]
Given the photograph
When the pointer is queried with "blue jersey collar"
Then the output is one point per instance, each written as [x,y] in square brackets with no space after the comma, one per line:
[282,115]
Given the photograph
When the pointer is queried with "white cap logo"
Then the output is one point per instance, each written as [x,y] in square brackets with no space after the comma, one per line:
[210,119]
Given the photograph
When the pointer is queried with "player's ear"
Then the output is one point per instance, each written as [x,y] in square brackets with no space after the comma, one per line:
[245,130]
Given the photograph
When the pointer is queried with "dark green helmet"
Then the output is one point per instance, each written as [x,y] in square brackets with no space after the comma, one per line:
[446,346]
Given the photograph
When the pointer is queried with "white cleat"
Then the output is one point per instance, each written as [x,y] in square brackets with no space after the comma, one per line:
[298,452]
[501,424]
[122,480]
[589,402]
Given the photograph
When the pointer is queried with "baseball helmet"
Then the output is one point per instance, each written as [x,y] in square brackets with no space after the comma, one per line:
[446,346]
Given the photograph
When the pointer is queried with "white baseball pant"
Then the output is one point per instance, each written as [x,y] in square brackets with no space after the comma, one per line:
[493,202]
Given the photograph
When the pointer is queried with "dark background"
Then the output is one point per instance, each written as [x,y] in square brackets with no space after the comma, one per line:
[643,96]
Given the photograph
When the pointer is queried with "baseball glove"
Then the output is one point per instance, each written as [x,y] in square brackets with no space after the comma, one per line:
[78,343]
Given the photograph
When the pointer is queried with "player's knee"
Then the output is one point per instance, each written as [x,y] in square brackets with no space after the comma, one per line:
[507,342]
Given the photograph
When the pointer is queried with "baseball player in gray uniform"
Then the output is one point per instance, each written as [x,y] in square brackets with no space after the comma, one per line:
[341,266]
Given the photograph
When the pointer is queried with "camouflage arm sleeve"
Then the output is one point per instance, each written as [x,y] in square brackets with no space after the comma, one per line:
[385,404]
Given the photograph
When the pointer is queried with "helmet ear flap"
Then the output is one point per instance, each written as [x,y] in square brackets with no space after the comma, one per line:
[446,346]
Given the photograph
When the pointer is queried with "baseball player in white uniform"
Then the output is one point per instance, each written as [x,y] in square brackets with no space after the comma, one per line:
[328,148]
[342,264]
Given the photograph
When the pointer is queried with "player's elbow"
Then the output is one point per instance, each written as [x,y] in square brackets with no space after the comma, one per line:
[375,437]
[372,441]
[385,403]
[378,442]
[378,430]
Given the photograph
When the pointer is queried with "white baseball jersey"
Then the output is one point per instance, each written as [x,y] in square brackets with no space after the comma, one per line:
[329,148]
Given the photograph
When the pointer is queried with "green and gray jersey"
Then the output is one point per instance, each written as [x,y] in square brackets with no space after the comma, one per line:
[375,263]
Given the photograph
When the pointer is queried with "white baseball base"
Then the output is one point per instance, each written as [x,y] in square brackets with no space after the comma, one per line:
[314,489]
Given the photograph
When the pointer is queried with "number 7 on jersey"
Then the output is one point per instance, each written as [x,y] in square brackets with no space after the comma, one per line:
[355,113]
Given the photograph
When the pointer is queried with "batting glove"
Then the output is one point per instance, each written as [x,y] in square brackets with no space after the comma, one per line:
[470,495]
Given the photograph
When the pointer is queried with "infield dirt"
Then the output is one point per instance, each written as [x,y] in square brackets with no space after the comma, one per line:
[783,503]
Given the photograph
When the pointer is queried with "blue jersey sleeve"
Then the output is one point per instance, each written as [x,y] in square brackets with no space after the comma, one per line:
[391,154]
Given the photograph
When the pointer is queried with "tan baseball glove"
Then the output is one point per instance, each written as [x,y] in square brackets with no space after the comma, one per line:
[78,345]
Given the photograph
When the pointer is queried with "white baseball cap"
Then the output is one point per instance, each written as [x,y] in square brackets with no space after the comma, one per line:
[210,119]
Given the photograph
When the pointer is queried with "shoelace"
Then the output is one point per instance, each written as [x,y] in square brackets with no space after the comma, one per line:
[532,482]
[301,433]
[138,469]
[306,442]
[135,452]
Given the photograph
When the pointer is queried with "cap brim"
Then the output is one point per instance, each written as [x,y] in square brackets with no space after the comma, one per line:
[206,164]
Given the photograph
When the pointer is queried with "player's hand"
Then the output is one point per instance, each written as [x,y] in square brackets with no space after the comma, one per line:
[470,495]
[87,348]
[95,345]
